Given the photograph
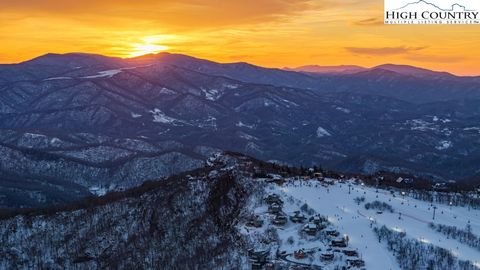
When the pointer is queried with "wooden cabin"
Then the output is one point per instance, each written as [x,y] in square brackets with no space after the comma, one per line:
[280,220]
[275,209]
[311,229]
[327,256]
[350,253]
[332,233]
[274,198]
[255,222]
[338,243]
[297,217]
[299,254]
[356,263]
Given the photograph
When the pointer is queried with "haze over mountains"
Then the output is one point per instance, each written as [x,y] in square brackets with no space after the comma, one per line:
[76,124]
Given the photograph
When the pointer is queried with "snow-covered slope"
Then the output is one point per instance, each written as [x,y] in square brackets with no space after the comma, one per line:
[241,213]
[409,215]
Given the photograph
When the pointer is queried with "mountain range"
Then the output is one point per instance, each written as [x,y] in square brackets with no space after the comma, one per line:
[77,124]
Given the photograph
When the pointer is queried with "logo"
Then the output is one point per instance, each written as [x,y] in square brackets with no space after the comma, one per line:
[432,12]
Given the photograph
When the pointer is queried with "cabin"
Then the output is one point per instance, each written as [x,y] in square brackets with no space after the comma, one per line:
[356,263]
[440,186]
[327,256]
[299,254]
[317,219]
[332,233]
[350,253]
[329,181]
[255,222]
[280,220]
[258,258]
[297,217]
[310,229]
[274,209]
[338,243]
[274,198]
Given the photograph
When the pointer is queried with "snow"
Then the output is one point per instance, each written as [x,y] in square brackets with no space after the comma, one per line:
[110,73]
[268,103]
[34,135]
[421,125]
[106,73]
[241,124]
[98,191]
[135,115]
[160,117]
[211,94]
[321,132]
[58,78]
[345,110]
[247,137]
[354,220]
[231,86]
[288,102]
[472,129]
[444,145]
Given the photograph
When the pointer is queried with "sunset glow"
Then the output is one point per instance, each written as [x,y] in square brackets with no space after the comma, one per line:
[149,45]
[274,33]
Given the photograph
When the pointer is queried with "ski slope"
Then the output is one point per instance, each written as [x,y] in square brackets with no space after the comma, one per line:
[354,220]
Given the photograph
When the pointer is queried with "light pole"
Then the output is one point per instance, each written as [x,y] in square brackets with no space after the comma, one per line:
[434,208]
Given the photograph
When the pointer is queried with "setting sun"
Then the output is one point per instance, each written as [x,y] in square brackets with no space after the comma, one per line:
[149,45]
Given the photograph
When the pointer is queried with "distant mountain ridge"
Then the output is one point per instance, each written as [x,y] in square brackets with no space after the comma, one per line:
[342,69]
[352,69]
[78,124]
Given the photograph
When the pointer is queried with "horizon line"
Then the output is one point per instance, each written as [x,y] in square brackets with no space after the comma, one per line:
[222,62]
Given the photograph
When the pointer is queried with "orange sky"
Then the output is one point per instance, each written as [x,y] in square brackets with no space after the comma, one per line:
[274,33]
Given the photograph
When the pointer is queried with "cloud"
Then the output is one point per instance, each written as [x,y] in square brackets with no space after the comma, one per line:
[369,22]
[383,51]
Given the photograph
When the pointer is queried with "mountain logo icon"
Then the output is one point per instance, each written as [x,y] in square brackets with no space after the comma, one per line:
[452,8]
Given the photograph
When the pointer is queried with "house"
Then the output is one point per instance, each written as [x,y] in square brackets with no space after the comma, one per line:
[318,175]
[356,263]
[350,253]
[399,180]
[258,257]
[297,217]
[440,186]
[329,181]
[317,219]
[299,254]
[338,243]
[274,198]
[280,220]
[255,222]
[310,229]
[274,208]
[332,233]
[327,256]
